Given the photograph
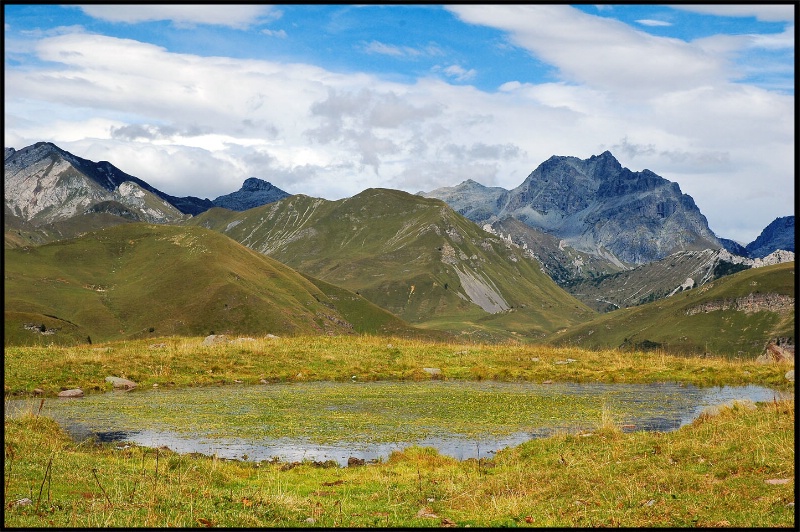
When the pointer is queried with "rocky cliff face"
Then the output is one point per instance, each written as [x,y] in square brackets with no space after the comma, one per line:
[44,184]
[777,235]
[595,206]
[254,193]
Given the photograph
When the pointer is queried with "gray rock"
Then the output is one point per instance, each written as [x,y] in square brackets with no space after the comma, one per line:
[119,382]
[432,371]
[215,339]
[75,392]
[790,375]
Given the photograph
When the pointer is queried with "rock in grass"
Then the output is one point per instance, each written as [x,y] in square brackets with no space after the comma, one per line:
[120,383]
[75,392]
[214,339]
[790,375]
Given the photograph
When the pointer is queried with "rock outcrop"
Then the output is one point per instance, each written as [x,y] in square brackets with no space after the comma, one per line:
[777,351]
[254,193]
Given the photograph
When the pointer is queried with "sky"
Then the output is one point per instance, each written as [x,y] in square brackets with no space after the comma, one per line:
[328,100]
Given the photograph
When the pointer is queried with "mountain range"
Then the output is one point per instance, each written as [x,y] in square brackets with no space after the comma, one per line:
[594,206]
[577,238]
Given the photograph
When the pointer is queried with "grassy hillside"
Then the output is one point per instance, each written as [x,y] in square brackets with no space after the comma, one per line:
[138,280]
[412,256]
[735,315]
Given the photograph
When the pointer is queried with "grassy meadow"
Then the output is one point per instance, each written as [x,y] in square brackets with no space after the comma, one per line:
[734,466]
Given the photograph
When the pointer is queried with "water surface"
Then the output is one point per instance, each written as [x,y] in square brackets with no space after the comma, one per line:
[324,421]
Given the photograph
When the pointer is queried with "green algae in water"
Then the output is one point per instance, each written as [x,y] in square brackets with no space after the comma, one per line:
[359,415]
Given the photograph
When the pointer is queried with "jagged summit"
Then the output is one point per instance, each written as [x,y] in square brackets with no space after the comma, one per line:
[255,192]
[596,206]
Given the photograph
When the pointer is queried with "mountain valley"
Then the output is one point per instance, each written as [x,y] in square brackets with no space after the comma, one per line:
[577,244]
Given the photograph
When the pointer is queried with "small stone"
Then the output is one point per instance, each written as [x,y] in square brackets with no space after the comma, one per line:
[23,502]
[119,382]
[777,481]
[310,520]
[263,381]
[353,461]
[432,371]
[75,392]
[38,391]
[789,375]
[426,513]
[155,385]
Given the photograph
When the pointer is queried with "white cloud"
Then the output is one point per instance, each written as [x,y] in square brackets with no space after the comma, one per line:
[763,12]
[601,52]
[239,16]
[653,23]
[377,47]
[193,125]
[459,73]
[281,34]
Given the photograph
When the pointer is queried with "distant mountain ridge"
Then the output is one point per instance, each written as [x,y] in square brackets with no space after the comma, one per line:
[777,235]
[45,184]
[595,206]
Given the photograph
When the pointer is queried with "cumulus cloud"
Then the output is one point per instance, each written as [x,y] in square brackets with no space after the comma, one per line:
[193,125]
[240,16]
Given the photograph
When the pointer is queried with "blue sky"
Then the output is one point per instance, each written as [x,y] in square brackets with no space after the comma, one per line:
[327,100]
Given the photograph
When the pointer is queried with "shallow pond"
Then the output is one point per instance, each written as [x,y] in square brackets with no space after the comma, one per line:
[324,421]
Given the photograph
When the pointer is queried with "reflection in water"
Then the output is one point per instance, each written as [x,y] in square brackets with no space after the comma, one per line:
[649,407]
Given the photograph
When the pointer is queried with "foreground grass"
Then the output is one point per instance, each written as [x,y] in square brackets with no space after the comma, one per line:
[179,361]
[733,467]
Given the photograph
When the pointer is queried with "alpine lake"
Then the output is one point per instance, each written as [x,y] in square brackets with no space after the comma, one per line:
[342,421]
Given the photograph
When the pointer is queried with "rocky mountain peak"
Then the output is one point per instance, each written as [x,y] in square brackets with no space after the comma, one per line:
[252,184]
[596,206]
[255,192]
[779,234]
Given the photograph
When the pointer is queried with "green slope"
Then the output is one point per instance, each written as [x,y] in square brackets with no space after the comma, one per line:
[735,315]
[412,256]
[140,280]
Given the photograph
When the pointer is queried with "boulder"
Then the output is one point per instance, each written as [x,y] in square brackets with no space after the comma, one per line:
[433,372]
[214,339]
[353,461]
[776,353]
[75,392]
[120,383]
